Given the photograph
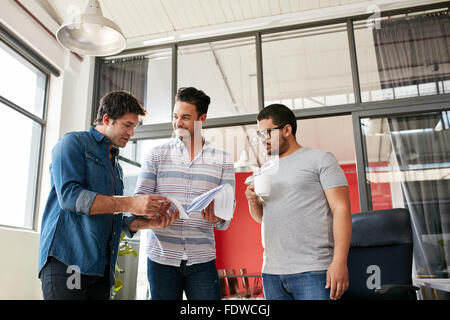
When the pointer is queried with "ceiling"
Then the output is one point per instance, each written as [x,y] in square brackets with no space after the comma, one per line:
[146,22]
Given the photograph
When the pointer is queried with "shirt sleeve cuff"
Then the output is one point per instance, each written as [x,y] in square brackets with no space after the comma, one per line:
[84,201]
[222,225]
[126,221]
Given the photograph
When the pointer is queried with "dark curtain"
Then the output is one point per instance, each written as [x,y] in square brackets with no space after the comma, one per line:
[413,50]
[422,148]
[129,74]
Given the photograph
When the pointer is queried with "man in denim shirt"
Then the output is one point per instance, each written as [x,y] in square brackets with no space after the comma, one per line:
[82,221]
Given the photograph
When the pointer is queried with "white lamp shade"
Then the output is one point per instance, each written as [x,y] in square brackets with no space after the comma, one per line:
[243,164]
[91,33]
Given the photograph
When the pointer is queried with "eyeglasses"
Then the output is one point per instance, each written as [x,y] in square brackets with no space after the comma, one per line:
[267,133]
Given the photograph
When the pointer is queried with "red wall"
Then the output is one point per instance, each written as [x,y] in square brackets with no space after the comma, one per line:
[381,192]
[240,245]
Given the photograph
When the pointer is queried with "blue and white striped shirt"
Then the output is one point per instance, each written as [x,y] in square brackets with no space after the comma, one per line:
[168,171]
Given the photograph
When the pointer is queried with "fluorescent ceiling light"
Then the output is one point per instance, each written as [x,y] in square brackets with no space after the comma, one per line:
[239,28]
[158,40]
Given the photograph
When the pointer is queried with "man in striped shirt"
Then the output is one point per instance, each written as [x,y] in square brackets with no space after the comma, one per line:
[182,256]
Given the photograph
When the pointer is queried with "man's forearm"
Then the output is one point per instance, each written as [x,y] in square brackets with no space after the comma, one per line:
[256,211]
[110,204]
[342,232]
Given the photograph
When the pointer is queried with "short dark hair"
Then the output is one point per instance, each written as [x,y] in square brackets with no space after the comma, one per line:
[196,97]
[280,115]
[116,104]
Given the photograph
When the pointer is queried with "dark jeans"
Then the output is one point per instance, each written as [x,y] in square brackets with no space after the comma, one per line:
[62,283]
[199,281]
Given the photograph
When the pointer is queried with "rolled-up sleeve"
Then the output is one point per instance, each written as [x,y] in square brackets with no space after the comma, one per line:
[84,201]
[127,219]
[68,172]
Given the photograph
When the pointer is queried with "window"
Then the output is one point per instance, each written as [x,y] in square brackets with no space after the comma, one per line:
[404,56]
[408,165]
[307,68]
[225,71]
[158,103]
[237,139]
[22,100]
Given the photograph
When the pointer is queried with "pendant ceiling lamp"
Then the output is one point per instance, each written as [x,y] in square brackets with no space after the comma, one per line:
[243,164]
[90,33]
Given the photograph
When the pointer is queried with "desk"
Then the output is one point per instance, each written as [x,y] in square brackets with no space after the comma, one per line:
[434,283]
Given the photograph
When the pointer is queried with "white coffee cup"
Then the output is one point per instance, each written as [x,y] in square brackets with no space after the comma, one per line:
[263,183]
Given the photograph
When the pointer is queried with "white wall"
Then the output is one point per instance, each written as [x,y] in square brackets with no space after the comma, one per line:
[68,109]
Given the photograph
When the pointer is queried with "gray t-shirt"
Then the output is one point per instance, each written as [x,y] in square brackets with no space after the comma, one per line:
[297,224]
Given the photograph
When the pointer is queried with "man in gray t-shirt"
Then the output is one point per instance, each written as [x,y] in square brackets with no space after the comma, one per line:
[306,221]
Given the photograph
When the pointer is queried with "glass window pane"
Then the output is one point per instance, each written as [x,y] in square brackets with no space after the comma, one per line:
[130,175]
[18,168]
[159,83]
[144,146]
[235,140]
[225,71]
[408,165]
[309,67]
[407,54]
[129,151]
[21,82]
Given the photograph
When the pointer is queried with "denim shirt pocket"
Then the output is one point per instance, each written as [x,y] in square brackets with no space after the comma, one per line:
[95,172]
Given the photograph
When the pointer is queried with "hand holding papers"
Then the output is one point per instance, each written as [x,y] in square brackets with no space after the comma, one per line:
[224,203]
[223,197]
[179,207]
[201,202]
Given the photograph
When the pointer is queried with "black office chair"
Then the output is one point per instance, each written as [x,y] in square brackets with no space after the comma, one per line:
[380,256]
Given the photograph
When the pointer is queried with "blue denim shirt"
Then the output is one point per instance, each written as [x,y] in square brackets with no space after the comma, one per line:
[81,169]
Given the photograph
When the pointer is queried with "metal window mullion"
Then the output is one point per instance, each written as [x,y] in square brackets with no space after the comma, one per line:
[353,61]
[259,71]
[363,186]
[24,112]
[129,161]
[36,208]
[174,88]
[96,90]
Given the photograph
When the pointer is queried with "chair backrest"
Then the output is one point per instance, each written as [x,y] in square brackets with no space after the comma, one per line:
[233,285]
[223,283]
[380,253]
[244,279]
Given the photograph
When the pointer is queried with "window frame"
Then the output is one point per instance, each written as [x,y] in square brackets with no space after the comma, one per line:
[21,51]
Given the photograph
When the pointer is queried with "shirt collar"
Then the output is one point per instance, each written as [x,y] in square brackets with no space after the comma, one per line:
[98,136]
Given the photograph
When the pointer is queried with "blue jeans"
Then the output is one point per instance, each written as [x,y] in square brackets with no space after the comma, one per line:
[199,281]
[298,286]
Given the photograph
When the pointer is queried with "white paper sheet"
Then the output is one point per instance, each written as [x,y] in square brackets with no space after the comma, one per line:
[223,204]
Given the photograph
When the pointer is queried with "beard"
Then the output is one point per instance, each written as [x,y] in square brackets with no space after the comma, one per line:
[283,146]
